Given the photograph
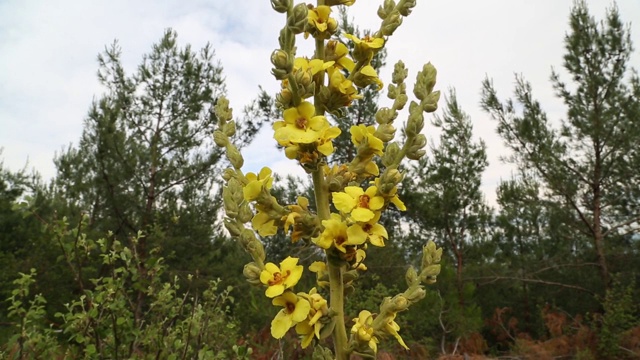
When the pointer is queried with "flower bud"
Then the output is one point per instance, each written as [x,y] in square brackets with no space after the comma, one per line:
[229,128]
[430,271]
[385,116]
[280,59]
[399,303]
[430,74]
[400,73]
[220,138]
[279,74]
[228,174]
[303,78]
[230,206]
[392,176]
[415,294]
[252,272]
[415,123]
[411,276]
[385,132]
[406,6]
[245,214]
[256,249]
[386,8]
[222,110]
[298,19]
[280,6]
[391,152]
[233,227]
[283,99]
[392,91]
[235,189]
[430,104]
[391,23]
[234,156]
[401,101]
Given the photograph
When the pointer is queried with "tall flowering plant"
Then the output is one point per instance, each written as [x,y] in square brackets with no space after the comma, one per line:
[349,197]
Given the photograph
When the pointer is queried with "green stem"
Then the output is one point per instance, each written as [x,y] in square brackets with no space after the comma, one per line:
[337,305]
[336,287]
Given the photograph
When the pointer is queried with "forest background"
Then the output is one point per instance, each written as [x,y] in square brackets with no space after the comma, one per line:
[532,270]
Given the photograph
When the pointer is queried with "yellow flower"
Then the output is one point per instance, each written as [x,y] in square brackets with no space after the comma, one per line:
[256,183]
[325,143]
[359,203]
[392,196]
[375,232]
[263,223]
[337,51]
[307,331]
[366,43]
[301,206]
[364,331]
[319,19]
[359,264]
[295,310]
[311,325]
[280,278]
[335,233]
[360,133]
[320,268]
[367,76]
[300,125]
[342,87]
[392,328]
[314,65]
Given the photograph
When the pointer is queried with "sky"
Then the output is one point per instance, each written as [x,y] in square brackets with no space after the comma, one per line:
[48,60]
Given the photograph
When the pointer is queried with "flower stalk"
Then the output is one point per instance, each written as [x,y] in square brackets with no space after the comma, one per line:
[350,198]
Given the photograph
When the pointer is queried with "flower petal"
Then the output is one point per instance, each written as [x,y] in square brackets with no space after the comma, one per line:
[362,214]
[274,290]
[301,311]
[343,202]
[280,324]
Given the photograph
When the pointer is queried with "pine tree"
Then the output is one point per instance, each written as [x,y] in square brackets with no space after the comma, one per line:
[443,192]
[146,162]
[589,164]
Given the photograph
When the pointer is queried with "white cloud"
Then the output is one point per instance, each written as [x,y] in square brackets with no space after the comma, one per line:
[49,49]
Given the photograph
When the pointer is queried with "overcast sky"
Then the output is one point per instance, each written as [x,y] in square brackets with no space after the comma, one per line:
[48,64]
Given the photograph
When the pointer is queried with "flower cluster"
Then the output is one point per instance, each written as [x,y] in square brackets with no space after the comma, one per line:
[350,198]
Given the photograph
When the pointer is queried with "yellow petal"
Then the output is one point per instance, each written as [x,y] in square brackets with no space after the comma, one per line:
[252,190]
[369,71]
[301,311]
[264,172]
[343,202]
[274,290]
[290,115]
[354,191]
[317,266]
[291,152]
[326,149]
[306,109]
[356,235]
[280,324]
[294,276]
[376,203]
[362,214]
[398,203]
[372,168]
